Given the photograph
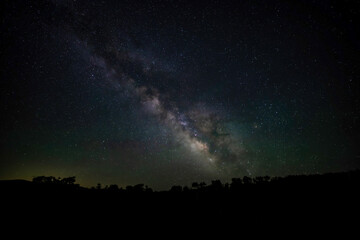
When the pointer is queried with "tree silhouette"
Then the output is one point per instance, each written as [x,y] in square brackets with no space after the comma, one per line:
[113,187]
[176,189]
[202,184]
[69,180]
[267,179]
[258,180]
[53,180]
[39,179]
[148,190]
[49,179]
[247,180]
[236,183]
[138,188]
[195,185]
[216,185]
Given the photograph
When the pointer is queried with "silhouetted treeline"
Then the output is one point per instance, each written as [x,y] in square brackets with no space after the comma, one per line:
[53,180]
[345,179]
[246,199]
[236,184]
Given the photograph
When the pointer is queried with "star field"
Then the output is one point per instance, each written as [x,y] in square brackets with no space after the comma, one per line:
[172,92]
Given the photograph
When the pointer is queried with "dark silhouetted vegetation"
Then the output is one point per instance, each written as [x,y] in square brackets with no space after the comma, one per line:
[53,180]
[254,199]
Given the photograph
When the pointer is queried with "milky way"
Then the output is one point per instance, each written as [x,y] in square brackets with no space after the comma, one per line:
[199,129]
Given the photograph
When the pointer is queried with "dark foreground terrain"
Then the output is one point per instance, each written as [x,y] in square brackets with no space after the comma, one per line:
[315,199]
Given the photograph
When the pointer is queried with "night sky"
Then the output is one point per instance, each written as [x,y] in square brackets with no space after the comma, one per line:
[172,92]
